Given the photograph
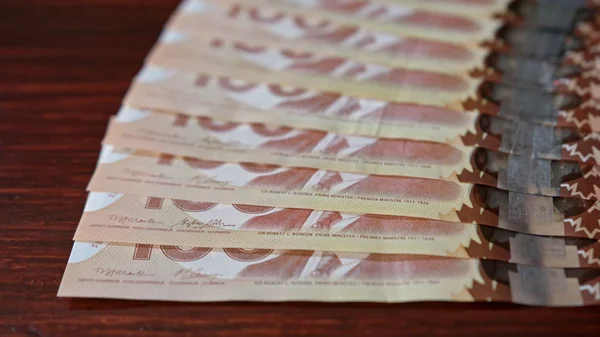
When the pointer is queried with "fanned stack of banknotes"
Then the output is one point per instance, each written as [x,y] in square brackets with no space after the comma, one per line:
[353,150]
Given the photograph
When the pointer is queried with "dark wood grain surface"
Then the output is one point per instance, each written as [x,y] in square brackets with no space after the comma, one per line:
[64,67]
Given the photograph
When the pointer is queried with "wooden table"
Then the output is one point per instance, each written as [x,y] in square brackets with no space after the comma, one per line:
[64,67]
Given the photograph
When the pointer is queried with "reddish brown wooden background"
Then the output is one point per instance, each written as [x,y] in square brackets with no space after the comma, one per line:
[64,66]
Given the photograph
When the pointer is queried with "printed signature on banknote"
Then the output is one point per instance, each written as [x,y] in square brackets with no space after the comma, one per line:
[112,272]
[197,224]
[190,273]
[201,179]
[141,174]
[130,219]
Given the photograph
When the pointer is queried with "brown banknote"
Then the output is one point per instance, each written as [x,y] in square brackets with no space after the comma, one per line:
[410,17]
[244,101]
[222,55]
[129,218]
[351,73]
[146,272]
[276,24]
[523,14]
[249,61]
[474,8]
[279,28]
[247,20]
[228,141]
[230,98]
[187,178]
[463,9]
[284,29]
[398,19]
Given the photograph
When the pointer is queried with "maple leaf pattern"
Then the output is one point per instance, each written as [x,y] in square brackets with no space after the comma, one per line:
[586,187]
[579,58]
[590,291]
[579,118]
[477,176]
[589,284]
[589,257]
[481,138]
[491,289]
[581,86]
[586,224]
[487,249]
[477,214]
[585,150]
[481,106]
